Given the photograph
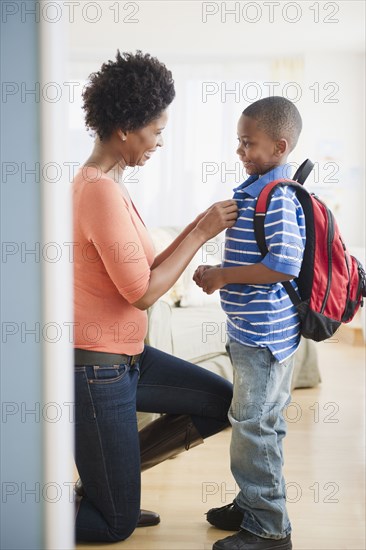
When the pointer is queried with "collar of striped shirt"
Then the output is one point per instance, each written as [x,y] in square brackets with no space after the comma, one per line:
[254,184]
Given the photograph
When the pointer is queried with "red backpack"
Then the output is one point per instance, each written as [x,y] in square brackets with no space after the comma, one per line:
[331,282]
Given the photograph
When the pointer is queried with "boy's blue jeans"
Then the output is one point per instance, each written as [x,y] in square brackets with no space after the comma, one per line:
[262,389]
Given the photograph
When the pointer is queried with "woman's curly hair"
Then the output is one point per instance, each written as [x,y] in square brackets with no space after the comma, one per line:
[127,93]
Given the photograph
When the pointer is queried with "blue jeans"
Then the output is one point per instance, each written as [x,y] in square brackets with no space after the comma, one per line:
[262,389]
[107,451]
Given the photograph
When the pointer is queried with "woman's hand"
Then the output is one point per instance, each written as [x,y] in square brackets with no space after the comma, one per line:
[211,279]
[199,217]
[197,276]
[218,217]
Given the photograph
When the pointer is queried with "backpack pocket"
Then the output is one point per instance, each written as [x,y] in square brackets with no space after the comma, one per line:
[357,289]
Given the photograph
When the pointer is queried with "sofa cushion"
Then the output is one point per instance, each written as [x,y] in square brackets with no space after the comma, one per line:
[211,253]
[162,237]
[198,333]
[185,292]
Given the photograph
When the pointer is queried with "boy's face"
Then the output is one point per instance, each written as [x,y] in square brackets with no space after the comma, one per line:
[257,150]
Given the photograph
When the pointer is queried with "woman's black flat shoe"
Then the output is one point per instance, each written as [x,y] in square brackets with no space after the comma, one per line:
[148,519]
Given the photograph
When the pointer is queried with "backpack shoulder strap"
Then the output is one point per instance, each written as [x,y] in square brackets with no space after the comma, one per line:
[303,171]
[259,215]
[261,208]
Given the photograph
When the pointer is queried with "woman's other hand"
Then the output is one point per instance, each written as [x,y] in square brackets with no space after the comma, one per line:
[199,217]
[197,276]
[212,279]
[218,217]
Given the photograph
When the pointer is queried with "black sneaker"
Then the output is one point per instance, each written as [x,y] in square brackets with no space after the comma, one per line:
[243,540]
[227,517]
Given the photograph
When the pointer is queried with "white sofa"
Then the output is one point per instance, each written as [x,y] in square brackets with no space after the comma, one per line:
[198,335]
[190,324]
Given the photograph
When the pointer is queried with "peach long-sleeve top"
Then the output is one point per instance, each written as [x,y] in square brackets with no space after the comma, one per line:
[112,257]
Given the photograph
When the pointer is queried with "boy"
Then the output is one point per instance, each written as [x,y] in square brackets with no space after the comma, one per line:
[263,328]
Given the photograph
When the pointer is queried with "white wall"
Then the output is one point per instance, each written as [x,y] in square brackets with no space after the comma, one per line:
[180,28]
[322,53]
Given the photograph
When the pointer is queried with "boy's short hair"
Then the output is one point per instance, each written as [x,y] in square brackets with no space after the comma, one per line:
[278,117]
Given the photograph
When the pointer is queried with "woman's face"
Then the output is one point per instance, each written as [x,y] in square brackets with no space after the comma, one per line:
[140,144]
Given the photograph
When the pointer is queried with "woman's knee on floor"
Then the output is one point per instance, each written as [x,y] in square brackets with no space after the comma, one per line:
[121,532]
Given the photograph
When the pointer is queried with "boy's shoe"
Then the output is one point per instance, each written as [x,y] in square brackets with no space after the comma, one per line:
[227,517]
[243,540]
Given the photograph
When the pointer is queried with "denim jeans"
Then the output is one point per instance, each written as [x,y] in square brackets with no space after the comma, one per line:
[262,389]
[107,444]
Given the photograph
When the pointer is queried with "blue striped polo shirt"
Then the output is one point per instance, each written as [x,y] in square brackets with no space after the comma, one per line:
[263,315]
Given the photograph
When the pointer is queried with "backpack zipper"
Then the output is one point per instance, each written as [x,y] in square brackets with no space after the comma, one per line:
[361,288]
[330,241]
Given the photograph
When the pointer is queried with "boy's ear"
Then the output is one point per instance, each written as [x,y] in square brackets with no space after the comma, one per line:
[282,147]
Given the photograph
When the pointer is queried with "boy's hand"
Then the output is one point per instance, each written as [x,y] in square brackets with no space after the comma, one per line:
[197,276]
[212,279]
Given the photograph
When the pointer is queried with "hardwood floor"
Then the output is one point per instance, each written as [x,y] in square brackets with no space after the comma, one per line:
[324,470]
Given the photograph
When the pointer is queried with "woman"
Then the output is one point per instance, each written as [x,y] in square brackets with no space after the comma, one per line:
[117,278]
